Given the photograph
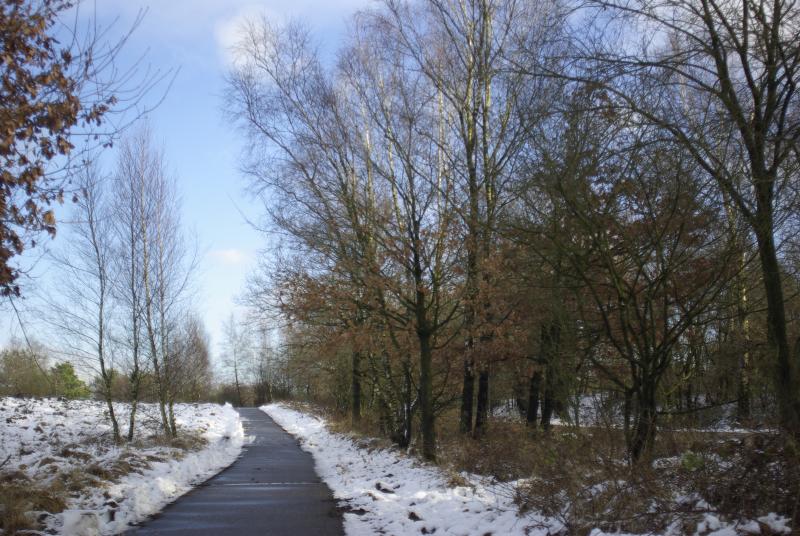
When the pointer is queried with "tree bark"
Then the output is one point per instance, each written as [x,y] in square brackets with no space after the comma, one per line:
[482,406]
[533,398]
[467,395]
[426,396]
[551,338]
[784,368]
[644,431]
[548,402]
[356,388]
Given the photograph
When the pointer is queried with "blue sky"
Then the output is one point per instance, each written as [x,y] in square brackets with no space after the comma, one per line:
[201,149]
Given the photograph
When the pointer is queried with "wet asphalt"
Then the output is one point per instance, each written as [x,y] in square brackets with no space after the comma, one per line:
[271,490]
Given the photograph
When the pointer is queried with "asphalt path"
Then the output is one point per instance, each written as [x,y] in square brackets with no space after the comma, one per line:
[271,490]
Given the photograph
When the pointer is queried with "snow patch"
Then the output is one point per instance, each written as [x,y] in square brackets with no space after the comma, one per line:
[47,438]
[384,491]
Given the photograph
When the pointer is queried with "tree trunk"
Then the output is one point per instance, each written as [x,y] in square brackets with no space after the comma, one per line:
[549,401]
[111,414]
[644,431]
[356,388]
[107,379]
[135,383]
[467,393]
[173,428]
[533,398]
[551,338]
[238,387]
[426,396]
[408,406]
[482,407]
[743,410]
[784,368]
[132,419]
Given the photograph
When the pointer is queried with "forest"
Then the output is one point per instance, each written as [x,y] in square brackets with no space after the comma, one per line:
[488,203]
[580,214]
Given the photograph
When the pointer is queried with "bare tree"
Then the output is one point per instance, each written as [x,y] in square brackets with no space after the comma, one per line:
[132,166]
[237,354]
[153,271]
[83,309]
[467,50]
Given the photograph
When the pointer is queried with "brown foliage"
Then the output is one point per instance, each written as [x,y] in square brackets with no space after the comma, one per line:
[41,104]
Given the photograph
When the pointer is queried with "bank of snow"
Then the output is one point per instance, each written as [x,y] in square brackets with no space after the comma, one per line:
[59,444]
[386,492]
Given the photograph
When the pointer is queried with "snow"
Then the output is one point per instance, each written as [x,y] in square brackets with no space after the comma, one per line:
[48,440]
[777,524]
[384,491]
[387,492]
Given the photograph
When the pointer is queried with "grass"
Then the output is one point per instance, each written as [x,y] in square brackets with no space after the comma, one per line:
[22,503]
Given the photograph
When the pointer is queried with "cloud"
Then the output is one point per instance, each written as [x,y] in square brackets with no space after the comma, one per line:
[324,15]
[228,31]
[230,257]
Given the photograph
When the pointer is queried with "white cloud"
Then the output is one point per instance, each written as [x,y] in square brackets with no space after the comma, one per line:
[231,257]
[320,14]
[228,31]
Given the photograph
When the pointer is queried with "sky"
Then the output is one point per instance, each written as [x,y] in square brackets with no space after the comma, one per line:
[202,150]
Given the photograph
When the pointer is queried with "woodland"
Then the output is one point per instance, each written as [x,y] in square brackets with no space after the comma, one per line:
[544,239]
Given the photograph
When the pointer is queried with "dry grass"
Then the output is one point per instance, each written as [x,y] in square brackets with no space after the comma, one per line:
[580,477]
[22,504]
[25,505]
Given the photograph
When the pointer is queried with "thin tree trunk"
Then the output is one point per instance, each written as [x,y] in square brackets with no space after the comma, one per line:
[238,387]
[426,396]
[135,382]
[408,407]
[356,388]
[467,394]
[107,380]
[533,398]
[482,406]
[743,409]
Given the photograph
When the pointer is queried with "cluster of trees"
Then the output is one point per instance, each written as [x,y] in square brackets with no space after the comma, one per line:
[500,199]
[255,374]
[123,306]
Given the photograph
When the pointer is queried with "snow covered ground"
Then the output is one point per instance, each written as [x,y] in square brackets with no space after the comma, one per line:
[386,492]
[66,446]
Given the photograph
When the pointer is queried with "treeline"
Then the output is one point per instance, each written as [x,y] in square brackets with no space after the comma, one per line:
[254,374]
[28,372]
[38,372]
[495,200]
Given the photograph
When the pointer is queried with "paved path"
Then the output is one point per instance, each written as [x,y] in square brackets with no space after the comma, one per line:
[271,490]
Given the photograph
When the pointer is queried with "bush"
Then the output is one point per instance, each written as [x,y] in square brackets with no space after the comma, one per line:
[22,372]
[66,383]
